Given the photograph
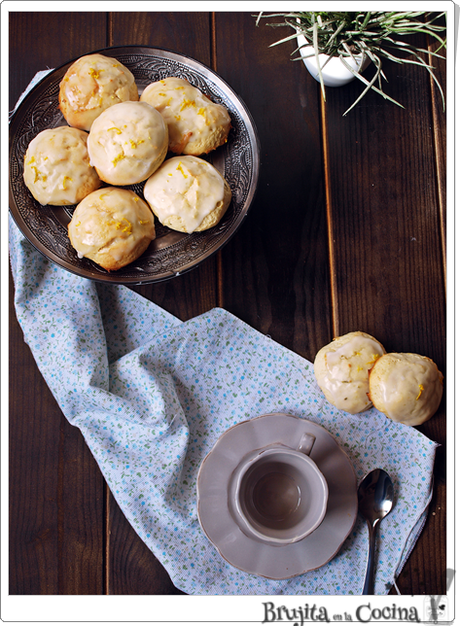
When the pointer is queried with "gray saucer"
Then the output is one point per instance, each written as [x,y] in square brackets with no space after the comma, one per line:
[252,556]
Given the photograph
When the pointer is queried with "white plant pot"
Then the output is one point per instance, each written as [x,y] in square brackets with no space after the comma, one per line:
[335,74]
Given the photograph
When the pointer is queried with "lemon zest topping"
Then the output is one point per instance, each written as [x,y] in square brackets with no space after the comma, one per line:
[38,175]
[179,167]
[94,73]
[360,368]
[120,226]
[187,103]
[64,181]
[129,228]
[118,158]
[143,222]
[117,130]
[421,387]
[374,359]
[134,144]
[32,160]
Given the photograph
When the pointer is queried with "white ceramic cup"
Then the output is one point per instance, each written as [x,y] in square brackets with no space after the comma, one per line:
[278,495]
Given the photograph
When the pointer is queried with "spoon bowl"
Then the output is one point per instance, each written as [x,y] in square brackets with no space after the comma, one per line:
[375,501]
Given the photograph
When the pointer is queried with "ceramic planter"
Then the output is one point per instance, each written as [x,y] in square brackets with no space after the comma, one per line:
[335,74]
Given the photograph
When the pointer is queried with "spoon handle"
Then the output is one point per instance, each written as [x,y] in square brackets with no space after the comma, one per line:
[369,580]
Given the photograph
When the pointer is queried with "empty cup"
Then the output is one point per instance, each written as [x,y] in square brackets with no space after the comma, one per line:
[279,495]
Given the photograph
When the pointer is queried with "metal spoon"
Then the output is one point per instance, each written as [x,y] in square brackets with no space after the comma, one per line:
[375,501]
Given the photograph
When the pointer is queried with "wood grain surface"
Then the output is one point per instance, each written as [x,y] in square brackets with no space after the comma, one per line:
[347,232]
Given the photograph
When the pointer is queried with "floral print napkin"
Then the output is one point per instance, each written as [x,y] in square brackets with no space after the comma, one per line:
[152,395]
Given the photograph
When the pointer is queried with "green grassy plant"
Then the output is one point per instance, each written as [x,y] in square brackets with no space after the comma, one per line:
[378,35]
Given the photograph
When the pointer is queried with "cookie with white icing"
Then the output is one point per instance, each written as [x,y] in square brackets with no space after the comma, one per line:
[92,84]
[112,227]
[127,143]
[188,194]
[406,387]
[342,370]
[57,169]
[196,124]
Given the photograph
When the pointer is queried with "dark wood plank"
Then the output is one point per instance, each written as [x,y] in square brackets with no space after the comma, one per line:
[132,568]
[387,254]
[275,272]
[439,135]
[189,34]
[184,33]
[386,206]
[56,513]
[56,37]
[56,490]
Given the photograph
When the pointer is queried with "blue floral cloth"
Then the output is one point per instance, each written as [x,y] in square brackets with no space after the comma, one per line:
[151,396]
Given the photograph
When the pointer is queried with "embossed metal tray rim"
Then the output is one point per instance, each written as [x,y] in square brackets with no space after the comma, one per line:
[171,254]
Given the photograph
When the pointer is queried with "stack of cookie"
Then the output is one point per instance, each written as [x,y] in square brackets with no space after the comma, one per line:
[116,139]
[354,372]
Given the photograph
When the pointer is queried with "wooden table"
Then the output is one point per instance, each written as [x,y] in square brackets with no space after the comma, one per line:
[347,232]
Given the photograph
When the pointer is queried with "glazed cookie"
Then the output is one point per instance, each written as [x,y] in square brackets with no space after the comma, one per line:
[57,170]
[406,387]
[188,194]
[112,227]
[342,370]
[91,85]
[127,143]
[196,124]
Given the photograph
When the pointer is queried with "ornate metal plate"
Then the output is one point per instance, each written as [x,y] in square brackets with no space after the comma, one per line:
[171,253]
